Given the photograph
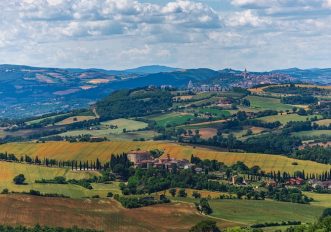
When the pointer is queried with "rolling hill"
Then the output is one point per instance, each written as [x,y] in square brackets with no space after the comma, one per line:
[27,91]
[103,151]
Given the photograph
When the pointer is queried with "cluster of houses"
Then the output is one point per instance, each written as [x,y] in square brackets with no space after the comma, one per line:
[324,102]
[253,79]
[143,159]
[320,184]
[205,88]
[297,181]
[225,103]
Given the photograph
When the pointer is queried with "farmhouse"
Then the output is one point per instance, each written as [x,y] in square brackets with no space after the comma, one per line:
[137,157]
[143,159]
[322,184]
[224,103]
[296,181]
[271,182]
[204,88]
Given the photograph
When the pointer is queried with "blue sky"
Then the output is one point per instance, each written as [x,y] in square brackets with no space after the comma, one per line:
[119,34]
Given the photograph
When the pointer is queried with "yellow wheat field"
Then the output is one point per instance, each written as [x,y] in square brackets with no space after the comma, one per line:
[103,151]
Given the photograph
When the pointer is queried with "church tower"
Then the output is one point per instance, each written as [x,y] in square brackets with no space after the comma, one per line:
[245,74]
[190,85]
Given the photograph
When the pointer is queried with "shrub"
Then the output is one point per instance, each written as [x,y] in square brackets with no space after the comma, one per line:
[205,226]
[19,179]
[110,194]
[182,193]
[5,191]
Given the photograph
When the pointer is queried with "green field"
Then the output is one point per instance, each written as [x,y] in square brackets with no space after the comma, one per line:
[132,128]
[97,133]
[242,134]
[9,170]
[171,119]
[285,118]
[206,124]
[267,103]
[248,212]
[251,211]
[2,133]
[323,200]
[107,133]
[122,123]
[314,133]
[214,111]
[201,96]
[39,120]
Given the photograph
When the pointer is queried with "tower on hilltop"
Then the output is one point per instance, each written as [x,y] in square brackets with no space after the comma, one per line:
[190,85]
[245,74]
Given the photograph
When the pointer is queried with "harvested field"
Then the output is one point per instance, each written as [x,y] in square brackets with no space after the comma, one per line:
[207,133]
[103,214]
[74,119]
[324,122]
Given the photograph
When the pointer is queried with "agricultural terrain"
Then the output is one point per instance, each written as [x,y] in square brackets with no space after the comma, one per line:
[102,214]
[103,151]
[237,156]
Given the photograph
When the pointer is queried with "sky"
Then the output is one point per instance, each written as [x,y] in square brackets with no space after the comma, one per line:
[258,35]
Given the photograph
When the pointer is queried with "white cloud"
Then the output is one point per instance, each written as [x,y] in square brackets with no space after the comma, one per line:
[47,21]
[246,18]
[182,33]
[327,4]
[254,3]
[136,51]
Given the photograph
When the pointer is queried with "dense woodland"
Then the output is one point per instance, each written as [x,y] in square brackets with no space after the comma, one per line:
[295,89]
[299,100]
[134,103]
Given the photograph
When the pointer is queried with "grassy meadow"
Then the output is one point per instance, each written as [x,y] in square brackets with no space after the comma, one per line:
[39,120]
[207,124]
[103,151]
[315,133]
[285,118]
[9,170]
[248,212]
[122,123]
[266,103]
[214,111]
[322,200]
[171,119]
[252,211]
[132,128]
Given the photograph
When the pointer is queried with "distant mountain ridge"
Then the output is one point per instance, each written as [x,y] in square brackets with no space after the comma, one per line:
[27,91]
[151,69]
[317,75]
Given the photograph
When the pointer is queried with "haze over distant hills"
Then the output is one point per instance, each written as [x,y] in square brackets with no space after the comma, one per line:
[27,91]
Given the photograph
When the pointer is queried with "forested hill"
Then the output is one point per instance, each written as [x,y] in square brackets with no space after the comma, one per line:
[134,103]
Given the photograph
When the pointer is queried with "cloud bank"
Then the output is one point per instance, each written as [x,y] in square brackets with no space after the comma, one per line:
[258,34]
